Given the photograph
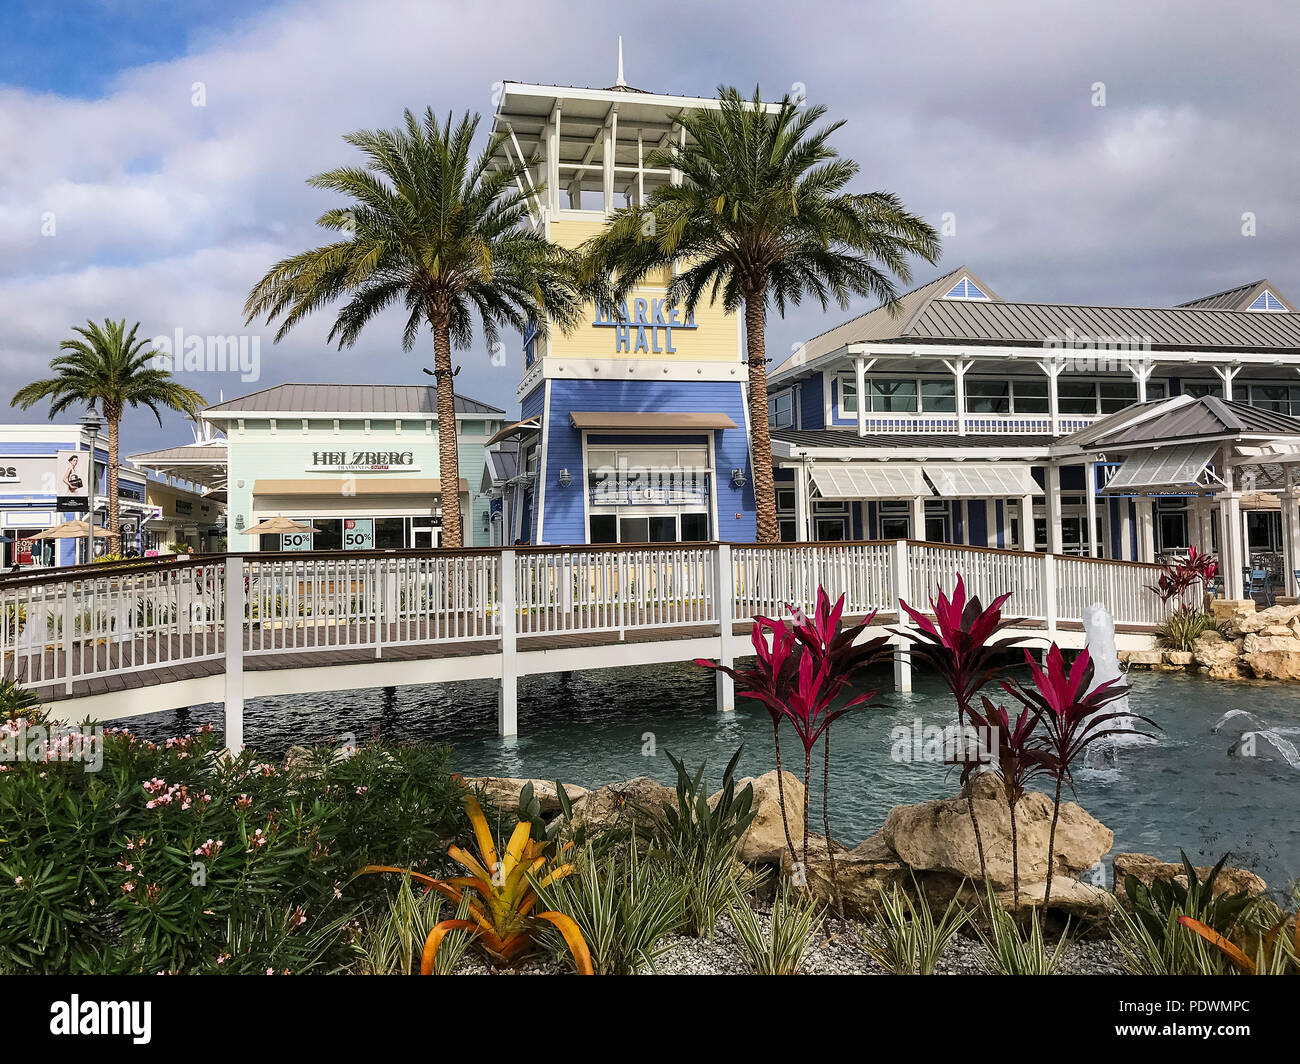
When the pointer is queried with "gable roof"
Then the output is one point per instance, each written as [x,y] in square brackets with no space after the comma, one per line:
[1182,419]
[347,399]
[881,323]
[1239,298]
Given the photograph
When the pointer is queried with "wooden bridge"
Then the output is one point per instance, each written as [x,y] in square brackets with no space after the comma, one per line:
[110,641]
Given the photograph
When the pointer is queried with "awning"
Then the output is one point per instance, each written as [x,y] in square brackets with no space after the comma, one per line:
[361,486]
[633,420]
[517,429]
[982,480]
[877,480]
[1163,469]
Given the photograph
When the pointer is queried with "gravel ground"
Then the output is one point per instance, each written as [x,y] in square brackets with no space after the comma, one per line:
[835,950]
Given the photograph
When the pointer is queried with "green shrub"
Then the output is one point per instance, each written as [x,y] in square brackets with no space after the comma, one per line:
[698,842]
[1013,950]
[624,905]
[153,862]
[905,938]
[780,949]
[1183,627]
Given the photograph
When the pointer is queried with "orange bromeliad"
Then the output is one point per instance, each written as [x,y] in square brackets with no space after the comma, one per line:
[500,896]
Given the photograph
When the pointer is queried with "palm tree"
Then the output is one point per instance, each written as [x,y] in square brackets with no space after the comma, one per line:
[443,235]
[109,366]
[760,216]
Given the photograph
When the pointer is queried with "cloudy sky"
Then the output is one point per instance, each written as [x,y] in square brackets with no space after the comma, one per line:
[119,196]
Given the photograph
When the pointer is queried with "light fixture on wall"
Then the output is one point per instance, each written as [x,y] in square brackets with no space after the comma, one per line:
[564,479]
[239,522]
[738,478]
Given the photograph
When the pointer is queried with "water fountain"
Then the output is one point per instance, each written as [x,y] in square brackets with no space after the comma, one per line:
[1099,629]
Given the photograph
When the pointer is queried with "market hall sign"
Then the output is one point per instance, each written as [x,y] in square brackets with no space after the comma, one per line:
[646,329]
[363,462]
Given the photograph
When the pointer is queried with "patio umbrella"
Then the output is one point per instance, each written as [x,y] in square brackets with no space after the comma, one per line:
[72,530]
[278,526]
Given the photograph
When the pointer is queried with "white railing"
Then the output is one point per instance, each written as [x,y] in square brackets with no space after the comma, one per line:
[96,622]
[767,579]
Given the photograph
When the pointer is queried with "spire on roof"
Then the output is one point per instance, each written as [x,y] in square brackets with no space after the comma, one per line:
[620,81]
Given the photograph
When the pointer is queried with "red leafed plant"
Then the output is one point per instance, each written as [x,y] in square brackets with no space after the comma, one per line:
[1176,578]
[1020,757]
[1071,709]
[958,645]
[799,674]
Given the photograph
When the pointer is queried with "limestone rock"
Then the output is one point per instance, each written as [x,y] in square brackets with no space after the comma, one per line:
[619,804]
[1147,869]
[1218,656]
[503,791]
[1141,657]
[1070,896]
[861,874]
[765,840]
[1272,657]
[937,836]
[1181,658]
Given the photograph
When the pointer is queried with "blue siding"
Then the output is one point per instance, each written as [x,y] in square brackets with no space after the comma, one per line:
[977,514]
[812,413]
[533,403]
[999,513]
[563,522]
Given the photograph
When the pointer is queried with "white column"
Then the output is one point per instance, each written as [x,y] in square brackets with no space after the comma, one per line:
[860,374]
[802,504]
[1231,553]
[959,369]
[902,582]
[1090,471]
[1146,530]
[1027,523]
[1126,551]
[991,520]
[234,635]
[1053,371]
[1205,518]
[1142,373]
[1055,538]
[607,159]
[1227,374]
[917,529]
[723,595]
[1290,533]
[507,609]
[553,162]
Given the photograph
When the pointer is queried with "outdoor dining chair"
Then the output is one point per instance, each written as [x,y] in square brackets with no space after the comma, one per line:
[1259,585]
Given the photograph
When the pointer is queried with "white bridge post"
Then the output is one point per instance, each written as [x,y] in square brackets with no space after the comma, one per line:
[234,626]
[902,658]
[724,595]
[507,606]
[1051,595]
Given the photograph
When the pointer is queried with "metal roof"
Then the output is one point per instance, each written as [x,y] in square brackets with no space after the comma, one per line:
[850,438]
[1238,298]
[1163,468]
[349,399]
[1053,325]
[1181,419]
[197,453]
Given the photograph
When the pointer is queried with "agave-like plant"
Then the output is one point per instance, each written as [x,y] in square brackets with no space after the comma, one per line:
[1020,757]
[1071,708]
[499,895]
[958,645]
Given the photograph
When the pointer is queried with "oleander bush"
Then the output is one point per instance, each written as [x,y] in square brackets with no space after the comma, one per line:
[173,858]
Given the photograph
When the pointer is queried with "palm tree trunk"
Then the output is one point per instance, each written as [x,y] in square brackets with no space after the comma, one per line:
[780,791]
[114,547]
[760,447]
[1051,846]
[448,451]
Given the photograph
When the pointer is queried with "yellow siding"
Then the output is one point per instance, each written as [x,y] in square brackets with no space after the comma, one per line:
[716,338]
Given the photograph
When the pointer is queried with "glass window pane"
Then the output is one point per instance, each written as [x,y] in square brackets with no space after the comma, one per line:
[604,528]
[1077,397]
[634,530]
[988,397]
[1116,395]
[663,529]
[1273,397]
[849,395]
[1155,390]
[1200,388]
[329,534]
[939,397]
[1031,396]
[390,533]
[695,527]
[893,396]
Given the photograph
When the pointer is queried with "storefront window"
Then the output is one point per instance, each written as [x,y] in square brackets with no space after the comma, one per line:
[329,534]
[390,533]
[604,528]
[695,528]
